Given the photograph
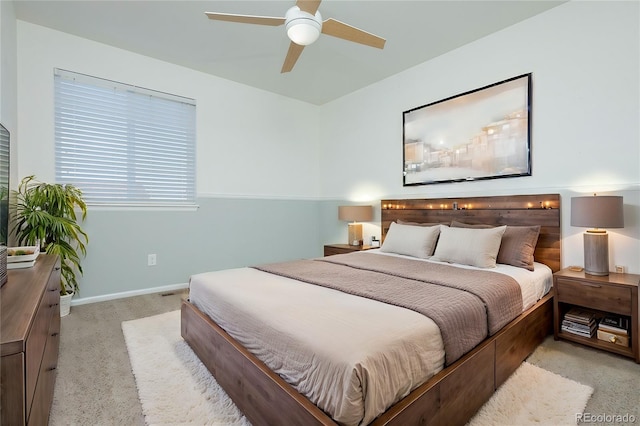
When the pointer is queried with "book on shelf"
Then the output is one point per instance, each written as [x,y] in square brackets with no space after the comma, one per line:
[615,324]
[581,322]
[579,332]
[581,316]
[581,329]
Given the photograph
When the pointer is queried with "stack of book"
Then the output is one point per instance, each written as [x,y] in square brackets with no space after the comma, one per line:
[581,322]
[615,324]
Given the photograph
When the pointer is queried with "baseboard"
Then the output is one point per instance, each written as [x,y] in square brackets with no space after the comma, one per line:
[124,294]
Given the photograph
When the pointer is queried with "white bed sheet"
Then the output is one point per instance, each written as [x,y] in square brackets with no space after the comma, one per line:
[337,349]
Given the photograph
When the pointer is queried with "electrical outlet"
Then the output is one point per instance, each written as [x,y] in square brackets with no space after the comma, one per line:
[151,260]
[619,269]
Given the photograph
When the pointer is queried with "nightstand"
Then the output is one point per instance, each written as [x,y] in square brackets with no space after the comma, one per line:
[613,294]
[331,249]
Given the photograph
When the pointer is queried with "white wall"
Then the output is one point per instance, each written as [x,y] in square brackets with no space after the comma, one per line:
[8,75]
[249,142]
[584,57]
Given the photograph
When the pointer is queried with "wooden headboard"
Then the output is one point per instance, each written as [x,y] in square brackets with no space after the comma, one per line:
[515,210]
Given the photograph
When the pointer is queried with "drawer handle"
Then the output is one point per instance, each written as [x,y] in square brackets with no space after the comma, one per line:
[55,334]
[613,339]
[591,285]
[51,368]
[53,289]
[54,305]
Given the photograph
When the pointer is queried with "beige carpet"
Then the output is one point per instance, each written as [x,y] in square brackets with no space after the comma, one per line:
[175,387]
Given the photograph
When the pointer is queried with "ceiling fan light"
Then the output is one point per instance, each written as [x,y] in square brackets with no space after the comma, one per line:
[302,28]
[303,31]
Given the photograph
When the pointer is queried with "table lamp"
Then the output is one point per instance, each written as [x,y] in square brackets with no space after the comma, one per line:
[355,214]
[597,213]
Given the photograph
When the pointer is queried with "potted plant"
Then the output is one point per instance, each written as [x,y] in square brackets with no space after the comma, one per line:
[45,214]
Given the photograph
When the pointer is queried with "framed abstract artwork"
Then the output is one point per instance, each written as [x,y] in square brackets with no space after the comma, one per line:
[481,134]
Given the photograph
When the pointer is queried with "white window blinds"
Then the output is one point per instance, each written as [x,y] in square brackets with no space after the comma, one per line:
[124,145]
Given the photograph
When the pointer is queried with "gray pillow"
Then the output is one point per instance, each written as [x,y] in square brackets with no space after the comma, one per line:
[518,244]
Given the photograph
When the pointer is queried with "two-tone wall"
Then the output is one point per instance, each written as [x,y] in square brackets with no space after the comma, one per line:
[272,170]
[585,60]
[257,170]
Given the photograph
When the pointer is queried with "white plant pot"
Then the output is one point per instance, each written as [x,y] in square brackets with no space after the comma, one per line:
[65,304]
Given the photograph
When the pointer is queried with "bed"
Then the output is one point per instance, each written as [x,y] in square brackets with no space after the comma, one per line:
[455,387]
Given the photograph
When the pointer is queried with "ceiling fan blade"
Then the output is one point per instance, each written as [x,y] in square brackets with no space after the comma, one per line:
[292,56]
[309,6]
[339,29]
[246,19]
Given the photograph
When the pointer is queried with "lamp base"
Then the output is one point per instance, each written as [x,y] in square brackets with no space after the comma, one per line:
[596,253]
[355,234]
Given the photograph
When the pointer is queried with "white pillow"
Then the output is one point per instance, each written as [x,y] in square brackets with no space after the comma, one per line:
[469,246]
[416,241]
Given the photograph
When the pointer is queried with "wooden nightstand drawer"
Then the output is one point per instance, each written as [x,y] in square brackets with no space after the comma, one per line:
[605,297]
[331,249]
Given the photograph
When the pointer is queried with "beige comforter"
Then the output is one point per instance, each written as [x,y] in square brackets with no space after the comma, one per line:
[467,305]
[351,356]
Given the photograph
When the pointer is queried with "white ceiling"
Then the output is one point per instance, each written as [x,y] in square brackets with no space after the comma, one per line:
[180,33]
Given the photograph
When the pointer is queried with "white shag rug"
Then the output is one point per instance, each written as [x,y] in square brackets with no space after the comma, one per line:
[174,387]
[534,396]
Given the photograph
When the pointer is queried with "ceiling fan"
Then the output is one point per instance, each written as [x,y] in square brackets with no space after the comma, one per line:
[304,25]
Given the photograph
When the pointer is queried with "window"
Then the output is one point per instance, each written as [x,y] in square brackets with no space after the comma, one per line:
[124,145]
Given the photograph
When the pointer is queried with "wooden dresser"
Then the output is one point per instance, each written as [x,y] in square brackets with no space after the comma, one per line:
[30,335]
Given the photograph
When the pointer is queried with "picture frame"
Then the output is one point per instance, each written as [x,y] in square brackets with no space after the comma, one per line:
[480,134]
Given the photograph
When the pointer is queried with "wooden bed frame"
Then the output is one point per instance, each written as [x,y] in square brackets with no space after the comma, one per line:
[452,396]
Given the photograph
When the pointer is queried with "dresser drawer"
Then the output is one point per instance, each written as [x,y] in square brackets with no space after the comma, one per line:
[43,394]
[30,334]
[12,389]
[36,342]
[597,295]
[53,288]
